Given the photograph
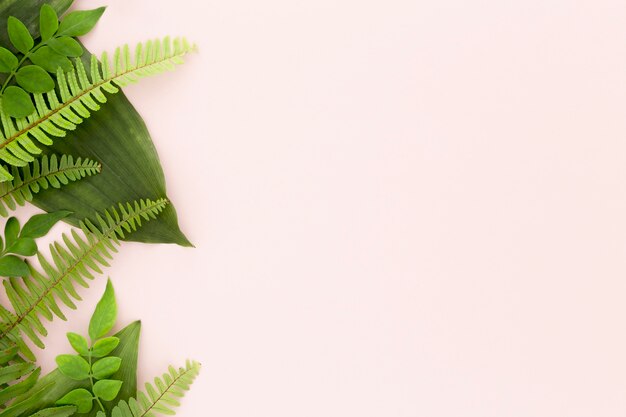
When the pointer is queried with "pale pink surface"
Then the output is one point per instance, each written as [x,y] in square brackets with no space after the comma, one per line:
[401,208]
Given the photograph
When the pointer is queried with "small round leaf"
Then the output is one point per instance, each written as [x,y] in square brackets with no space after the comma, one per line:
[106,367]
[50,60]
[73,366]
[79,343]
[19,35]
[81,398]
[104,346]
[66,45]
[12,266]
[48,22]
[8,61]
[107,389]
[11,230]
[34,79]
[40,224]
[17,102]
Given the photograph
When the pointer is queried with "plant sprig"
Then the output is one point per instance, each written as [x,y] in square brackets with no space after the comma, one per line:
[81,366]
[21,241]
[56,45]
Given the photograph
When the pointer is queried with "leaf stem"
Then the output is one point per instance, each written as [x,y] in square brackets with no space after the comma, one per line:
[92,384]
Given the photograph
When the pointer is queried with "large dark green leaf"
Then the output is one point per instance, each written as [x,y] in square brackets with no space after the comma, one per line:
[117,137]
[61,385]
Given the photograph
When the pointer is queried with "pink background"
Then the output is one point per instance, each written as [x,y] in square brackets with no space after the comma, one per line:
[401,208]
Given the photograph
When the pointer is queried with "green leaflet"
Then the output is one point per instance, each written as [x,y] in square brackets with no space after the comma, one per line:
[127,350]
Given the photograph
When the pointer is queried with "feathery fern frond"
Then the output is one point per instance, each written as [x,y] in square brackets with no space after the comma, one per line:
[79,94]
[42,173]
[16,375]
[162,397]
[73,262]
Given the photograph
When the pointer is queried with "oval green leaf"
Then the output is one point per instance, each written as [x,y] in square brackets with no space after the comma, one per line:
[12,266]
[48,22]
[104,346]
[24,246]
[50,60]
[17,102]
[80,22]
[19,35]
[73,366]
[11,231]
[40,224]
[81,398]
[8,61]
[106,367]
[104,316]
[107,389]
[79,343]
[34,79]
[66,45]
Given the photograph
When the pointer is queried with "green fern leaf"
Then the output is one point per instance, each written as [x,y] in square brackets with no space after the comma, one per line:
[73,263]
[16,375]
[42,173]
[160,397]
[14,369]
[79,94]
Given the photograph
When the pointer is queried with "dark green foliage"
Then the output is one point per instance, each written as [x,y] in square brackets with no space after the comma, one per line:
[44,95]
[45,59]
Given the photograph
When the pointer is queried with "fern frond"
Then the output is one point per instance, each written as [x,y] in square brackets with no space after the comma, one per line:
[79,94]
[160,397]
[16,375]
[42,173]
[73,263]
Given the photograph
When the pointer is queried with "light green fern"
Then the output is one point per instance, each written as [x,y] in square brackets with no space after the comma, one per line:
[160,397]
[80,93]
[73,262]
[42,173]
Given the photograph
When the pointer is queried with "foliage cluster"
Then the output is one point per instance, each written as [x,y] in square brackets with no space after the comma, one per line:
[49,86]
